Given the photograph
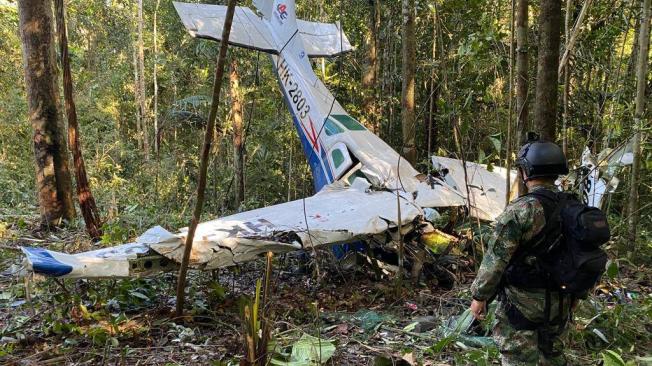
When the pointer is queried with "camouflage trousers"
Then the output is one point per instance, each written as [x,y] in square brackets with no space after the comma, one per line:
[521,347]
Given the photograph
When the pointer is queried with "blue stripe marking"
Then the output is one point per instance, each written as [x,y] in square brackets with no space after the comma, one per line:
[328,168]
[44,263]
[320,176]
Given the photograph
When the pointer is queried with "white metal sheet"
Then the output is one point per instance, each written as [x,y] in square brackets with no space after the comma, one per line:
[487,189]
[207,21]
[323,39]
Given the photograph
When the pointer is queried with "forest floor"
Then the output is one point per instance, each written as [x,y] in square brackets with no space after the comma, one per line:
[367,320]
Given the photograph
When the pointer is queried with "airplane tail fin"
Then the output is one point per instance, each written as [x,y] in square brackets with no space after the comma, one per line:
[282,18]
[264,7]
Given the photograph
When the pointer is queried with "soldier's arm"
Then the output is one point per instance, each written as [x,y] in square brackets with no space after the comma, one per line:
[512,227]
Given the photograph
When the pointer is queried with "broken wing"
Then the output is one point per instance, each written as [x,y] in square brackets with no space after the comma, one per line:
[335,215]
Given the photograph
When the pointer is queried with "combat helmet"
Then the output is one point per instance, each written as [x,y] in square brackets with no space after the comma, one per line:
[540,158]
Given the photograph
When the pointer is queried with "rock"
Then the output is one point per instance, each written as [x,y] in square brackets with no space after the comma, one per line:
[5,340]
[425,324]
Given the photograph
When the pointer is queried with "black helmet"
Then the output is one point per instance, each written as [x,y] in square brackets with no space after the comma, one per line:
[540,158]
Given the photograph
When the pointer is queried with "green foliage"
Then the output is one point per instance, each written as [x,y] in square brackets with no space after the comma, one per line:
[616,327]
[611,358]
[470,66]
[470,70]
[480,357]
[307,351]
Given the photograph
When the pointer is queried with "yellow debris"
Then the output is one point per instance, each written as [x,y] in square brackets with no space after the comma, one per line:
[437,241]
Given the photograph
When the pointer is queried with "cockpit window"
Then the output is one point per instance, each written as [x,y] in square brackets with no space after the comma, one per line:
[348,122]
[332,128]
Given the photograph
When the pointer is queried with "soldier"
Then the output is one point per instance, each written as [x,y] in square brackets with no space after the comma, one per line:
[523,334]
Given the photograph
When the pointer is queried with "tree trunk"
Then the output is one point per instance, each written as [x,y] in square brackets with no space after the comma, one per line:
[510,96]
[639,122]
[139,118]
[84,194]
[566,70]
[370,76]
[571,37]
[633,59]
[522,110]
[53,181]
[408,85]
[141,82]
[203,163]
[238,129]
[157,139]
[433,95]
[547,69]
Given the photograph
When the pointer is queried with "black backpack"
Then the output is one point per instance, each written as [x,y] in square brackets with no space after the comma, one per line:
[569,257]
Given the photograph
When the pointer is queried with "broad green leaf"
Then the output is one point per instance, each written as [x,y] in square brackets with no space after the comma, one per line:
[647,360]
[496,142]
[481,156]
[308,351]
[612,269]
[441,344]
[410,327]
[611,358]
[139,295]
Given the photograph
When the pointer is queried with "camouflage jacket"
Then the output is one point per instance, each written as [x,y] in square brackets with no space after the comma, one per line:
[523,219]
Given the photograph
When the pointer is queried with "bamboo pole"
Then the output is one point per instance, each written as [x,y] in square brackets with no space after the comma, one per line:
[639,121]
[570,43]
[508,157]
[564,128]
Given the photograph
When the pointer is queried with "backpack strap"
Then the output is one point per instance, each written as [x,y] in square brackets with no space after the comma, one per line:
[550,201]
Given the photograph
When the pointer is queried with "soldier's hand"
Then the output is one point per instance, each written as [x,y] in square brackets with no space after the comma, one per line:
[478,309]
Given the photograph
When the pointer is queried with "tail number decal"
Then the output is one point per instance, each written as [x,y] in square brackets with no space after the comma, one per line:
[295,94]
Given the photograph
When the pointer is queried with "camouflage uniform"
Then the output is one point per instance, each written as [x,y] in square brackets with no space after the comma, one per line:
[521,221]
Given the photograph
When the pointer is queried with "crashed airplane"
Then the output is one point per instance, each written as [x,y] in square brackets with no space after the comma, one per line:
[364,188]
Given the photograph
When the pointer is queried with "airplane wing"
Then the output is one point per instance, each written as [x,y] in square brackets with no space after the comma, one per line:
[487,189]
[334,215]
[251,31]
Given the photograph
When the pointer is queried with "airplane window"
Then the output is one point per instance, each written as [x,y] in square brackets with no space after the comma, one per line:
[332,128]
[338,158]
[356,174]
[349,122]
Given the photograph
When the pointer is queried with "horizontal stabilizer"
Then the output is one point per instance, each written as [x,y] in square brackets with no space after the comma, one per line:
[323,39]
[253,32]
[207,21]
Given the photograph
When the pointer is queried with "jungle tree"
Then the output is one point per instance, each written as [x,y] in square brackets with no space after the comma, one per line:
[53,180]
